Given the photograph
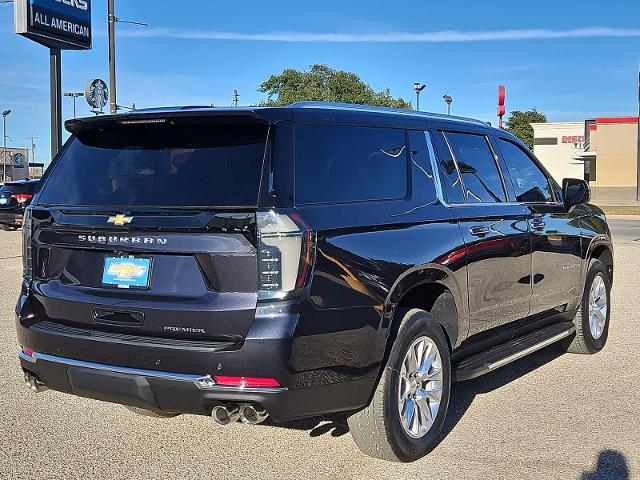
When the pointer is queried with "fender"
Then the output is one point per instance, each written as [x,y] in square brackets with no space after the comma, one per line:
[434,273]
[595,242]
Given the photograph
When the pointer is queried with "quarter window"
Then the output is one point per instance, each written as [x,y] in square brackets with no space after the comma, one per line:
[478,169]
[531,185]
[350,164]
[421,165]
[447,170]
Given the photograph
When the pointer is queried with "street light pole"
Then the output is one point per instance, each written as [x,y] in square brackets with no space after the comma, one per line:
[448,100]
[33,148]
[4,141]
[74,95]
[418,87]
[111,20]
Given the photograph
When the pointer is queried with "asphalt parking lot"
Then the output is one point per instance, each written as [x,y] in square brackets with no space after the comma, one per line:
[545,416]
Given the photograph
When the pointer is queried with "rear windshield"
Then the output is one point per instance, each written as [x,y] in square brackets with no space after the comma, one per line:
[160,165]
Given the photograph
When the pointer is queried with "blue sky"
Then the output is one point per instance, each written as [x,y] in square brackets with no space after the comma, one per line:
[571,60]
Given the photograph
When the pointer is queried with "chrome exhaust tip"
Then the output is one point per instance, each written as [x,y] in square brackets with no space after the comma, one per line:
[252,415]
[33,383]
[225,414]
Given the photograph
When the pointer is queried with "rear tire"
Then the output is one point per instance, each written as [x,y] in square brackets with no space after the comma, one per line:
[391,429]
[592,323]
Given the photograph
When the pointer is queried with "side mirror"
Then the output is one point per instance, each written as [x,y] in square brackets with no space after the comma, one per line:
[575,192]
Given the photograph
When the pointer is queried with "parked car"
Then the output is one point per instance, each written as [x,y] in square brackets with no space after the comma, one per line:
[304,260]
[15,197]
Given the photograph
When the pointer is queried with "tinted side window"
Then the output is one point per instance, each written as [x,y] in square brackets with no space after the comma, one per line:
[530,184]
[557,190]
[421,164]
[350,164]
[480,175]
[447,170]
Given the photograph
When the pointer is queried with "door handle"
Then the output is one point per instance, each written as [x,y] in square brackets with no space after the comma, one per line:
[537,225]
[479,231]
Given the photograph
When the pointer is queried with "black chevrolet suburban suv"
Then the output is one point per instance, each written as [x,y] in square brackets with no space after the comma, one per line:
[300,261]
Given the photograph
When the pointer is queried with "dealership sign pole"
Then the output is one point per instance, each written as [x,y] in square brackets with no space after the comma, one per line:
[55,87]
[59,25]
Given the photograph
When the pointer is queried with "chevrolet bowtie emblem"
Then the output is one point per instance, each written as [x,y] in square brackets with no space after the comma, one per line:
[120,219]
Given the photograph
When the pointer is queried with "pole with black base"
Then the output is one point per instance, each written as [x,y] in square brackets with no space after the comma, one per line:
[55,72]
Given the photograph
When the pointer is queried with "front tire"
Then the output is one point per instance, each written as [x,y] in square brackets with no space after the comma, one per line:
[404,419]
[592,317]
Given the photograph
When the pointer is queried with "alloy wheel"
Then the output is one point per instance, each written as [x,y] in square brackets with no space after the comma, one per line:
[597,306]
[420,387]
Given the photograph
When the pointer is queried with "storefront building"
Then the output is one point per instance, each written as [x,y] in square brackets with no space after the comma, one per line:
[16,161]
[602,150]
[557,145]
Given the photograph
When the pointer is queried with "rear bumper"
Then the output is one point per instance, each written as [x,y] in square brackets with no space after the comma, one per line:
[182,393]
[178,379]
[13,219]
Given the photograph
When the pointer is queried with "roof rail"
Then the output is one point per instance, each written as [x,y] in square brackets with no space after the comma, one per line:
[370,108]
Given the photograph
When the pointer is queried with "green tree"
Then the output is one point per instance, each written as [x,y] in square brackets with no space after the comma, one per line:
[519,123]
[323,83]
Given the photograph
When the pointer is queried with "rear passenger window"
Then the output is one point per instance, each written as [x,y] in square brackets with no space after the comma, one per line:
[530,184]
[350,164]
[449,179]
[421,164]
[478,169]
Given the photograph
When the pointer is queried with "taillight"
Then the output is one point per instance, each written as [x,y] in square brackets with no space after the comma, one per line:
[22,197]
[27,257]
[285,254]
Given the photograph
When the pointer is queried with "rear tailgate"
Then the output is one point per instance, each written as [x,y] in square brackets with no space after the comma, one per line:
[201,283]
[148,225]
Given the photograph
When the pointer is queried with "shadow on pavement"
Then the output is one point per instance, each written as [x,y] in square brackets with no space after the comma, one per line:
[462,396]
[611,465]
[463,393]
[336,425]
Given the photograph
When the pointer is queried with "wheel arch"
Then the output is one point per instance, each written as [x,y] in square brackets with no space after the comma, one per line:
[432,288]
[426,287]
[604,253]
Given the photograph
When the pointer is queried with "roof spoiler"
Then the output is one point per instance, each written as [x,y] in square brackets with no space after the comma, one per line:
[173,117]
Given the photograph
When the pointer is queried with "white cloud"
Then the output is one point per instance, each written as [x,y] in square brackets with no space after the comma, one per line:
[391,37]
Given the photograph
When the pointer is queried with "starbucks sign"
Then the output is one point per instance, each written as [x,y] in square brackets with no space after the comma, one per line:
[97,94]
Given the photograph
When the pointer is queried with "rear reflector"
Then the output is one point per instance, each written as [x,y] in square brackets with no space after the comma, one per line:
[28,352]
[246,381]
